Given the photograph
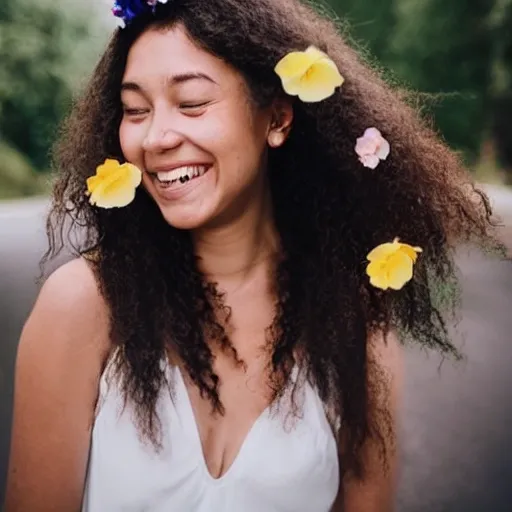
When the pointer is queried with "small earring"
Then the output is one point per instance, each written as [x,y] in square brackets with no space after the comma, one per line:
[275,139]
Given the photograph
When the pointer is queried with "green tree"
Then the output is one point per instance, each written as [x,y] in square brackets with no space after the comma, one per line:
[502,90]
[46,46]
[446,49]
[17,176]
[369,22]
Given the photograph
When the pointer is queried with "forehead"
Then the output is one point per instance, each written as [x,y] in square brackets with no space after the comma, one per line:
[164,53]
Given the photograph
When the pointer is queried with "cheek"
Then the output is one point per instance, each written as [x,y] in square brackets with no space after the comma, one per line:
[131,137]
[230,128]
[239,137]
[146,183]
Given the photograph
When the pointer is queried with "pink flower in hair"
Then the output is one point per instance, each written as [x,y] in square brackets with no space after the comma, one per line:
[371,148]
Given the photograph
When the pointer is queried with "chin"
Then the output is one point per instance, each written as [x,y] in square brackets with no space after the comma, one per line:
[188,206]
[184,218]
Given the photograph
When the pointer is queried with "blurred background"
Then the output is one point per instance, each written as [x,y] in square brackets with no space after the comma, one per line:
[457,54]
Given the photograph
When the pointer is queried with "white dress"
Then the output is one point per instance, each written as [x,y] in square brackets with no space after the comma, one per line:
[279,468]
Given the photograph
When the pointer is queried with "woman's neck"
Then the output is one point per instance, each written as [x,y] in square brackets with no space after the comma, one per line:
[232,251]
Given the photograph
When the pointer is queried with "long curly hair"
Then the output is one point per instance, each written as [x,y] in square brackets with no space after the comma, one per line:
[329,212]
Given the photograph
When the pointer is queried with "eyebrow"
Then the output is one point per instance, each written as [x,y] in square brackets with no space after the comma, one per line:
[170,81]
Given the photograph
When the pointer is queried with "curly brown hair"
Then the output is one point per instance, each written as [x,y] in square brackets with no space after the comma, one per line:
[329,211]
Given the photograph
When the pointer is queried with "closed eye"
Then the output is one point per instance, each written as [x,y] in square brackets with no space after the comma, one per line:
[194,105]
[193,109]
[135,111]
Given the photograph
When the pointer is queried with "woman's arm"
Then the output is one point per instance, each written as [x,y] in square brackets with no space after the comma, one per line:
[376,492]
[61,353]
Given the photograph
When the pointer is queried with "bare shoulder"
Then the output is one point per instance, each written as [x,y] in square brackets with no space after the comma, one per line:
[61,354]
[72,287]
[69,317]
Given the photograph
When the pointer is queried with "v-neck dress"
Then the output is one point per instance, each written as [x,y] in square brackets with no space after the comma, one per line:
[282,465]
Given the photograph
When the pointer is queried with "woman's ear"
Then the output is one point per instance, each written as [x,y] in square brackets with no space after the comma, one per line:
[281,122]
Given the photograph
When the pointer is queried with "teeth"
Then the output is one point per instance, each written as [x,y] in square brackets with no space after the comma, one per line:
[182,173]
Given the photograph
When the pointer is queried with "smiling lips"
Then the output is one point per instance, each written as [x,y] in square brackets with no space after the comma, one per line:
[180,174]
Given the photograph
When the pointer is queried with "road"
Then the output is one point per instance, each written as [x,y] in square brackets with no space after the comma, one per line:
[456,417]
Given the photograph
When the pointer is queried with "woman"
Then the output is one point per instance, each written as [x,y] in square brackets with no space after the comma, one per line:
[226,339]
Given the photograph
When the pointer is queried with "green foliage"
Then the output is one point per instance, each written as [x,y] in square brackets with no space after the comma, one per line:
[43,53]
[445,49]
[502,111]
[371,22]
[17,177]
[458,53]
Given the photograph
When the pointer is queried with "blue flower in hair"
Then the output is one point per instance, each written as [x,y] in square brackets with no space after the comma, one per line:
[128,10]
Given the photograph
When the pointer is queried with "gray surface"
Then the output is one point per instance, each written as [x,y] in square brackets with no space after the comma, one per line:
[457,420]
[22,242]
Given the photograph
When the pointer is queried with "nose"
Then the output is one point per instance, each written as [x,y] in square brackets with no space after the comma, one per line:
[161,135]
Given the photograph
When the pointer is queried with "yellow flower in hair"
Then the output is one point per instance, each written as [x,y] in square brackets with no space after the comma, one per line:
[114,184]
[311,75]
[391,264]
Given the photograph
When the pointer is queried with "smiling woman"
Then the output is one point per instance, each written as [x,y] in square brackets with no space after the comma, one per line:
[225,346]
[189,116]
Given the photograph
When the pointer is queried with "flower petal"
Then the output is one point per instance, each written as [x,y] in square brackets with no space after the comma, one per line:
[92,182]
[116,196]
[399,270]
[308,90]
[391,264]
[114,184]
[320,81]
[312,92]
[100,184]
[366,146]
[376,270]
[134,173]
[379,282]
[370,161]
[311,75]
[293,86]
[329,71]
[383,149]
[373,133]
[383,251]
[315,54]
[411,252]
[372,147]
[293,65]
